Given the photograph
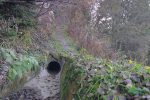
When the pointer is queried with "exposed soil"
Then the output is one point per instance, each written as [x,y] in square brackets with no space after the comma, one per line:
[48,85]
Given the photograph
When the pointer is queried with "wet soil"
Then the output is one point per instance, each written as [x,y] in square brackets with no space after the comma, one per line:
[43,87]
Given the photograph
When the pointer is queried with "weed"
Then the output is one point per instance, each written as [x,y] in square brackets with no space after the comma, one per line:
[109,78]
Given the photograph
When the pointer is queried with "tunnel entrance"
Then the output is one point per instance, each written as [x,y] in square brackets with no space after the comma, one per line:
[53,67]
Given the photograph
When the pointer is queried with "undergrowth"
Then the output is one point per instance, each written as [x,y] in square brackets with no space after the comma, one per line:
[18,64]
[104,79]
[15,17]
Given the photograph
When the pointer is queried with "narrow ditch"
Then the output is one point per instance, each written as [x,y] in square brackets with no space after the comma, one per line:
[45,86]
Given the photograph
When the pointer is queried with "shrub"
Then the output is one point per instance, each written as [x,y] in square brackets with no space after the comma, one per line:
[21,15]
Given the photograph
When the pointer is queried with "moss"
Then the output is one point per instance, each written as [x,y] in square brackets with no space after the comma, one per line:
[64,80]
[70,77]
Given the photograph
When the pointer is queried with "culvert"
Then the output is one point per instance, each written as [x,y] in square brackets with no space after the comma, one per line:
[54,67]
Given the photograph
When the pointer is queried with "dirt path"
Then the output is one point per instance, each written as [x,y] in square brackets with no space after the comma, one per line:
[61,36]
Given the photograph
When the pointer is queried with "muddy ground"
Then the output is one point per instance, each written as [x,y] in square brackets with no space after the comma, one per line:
[43,87]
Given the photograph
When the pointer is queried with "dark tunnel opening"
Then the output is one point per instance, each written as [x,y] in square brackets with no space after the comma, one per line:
[53,67]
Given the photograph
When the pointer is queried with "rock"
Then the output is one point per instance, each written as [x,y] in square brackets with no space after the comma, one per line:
[110,97]
[90,95]
[146,89]
[128,81]
[146,97]
[143,76]
[124,76]
[114,91]
[99,67]
[121,97]
[147,84]
[101,91]
[135,78]
[26,94]
[92,72]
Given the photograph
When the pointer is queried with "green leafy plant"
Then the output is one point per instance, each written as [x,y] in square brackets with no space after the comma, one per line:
[110,78]
[136,91]
[18,65]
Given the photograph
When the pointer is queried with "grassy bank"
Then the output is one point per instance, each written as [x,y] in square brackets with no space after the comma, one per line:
[99,79]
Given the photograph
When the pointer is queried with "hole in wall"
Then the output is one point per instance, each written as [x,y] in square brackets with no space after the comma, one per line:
[53,67]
